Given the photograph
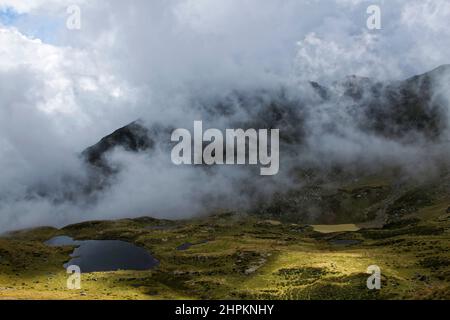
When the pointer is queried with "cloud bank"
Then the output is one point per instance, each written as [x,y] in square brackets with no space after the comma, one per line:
[163,61]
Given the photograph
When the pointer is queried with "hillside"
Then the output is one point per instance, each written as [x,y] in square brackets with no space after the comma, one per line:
[233,255]
[311,238]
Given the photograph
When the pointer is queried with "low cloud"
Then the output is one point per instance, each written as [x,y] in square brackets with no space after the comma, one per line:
[173,62]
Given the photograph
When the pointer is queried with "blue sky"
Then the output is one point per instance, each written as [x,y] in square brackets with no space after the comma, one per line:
[43,27]
[8,16]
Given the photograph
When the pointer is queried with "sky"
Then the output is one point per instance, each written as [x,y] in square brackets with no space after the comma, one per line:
[8,16]
[61,90]
[128,54]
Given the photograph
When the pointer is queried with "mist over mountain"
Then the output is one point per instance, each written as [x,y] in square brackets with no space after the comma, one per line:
[376,126]
[356,125]
[409,112]
[86,116]
[225,149]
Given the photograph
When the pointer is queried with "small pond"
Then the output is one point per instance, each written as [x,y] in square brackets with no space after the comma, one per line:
[105,255]
[187,245]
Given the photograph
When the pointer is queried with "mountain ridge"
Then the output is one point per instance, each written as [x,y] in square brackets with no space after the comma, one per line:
[402,105]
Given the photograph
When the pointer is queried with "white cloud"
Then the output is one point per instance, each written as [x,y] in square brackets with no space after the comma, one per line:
[27,6]
[146,58]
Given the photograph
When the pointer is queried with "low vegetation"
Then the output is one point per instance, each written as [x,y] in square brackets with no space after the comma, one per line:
[244,256]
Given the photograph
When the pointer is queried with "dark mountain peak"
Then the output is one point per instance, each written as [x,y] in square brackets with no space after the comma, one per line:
[397,110]
[405,109]
[426,80]
[441,70]
[402,109]
[132,137]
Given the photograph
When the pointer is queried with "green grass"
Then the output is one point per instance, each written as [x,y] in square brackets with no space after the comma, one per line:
[269,254]
[244,258]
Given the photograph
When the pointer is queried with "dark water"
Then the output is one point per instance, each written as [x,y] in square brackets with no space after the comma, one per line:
[106,255]
[184,246]
[344,242]
[187,245]
[62,241]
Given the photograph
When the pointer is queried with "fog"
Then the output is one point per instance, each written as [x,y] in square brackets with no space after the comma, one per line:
[170,62]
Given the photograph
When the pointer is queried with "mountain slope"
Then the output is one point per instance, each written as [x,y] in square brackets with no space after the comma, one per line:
[133,138]
[405,111]
[417,105]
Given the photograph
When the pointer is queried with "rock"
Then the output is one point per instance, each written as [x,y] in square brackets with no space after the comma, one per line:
[179,273]
[251,270]
[270,222]
[421,277]
[255,268]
